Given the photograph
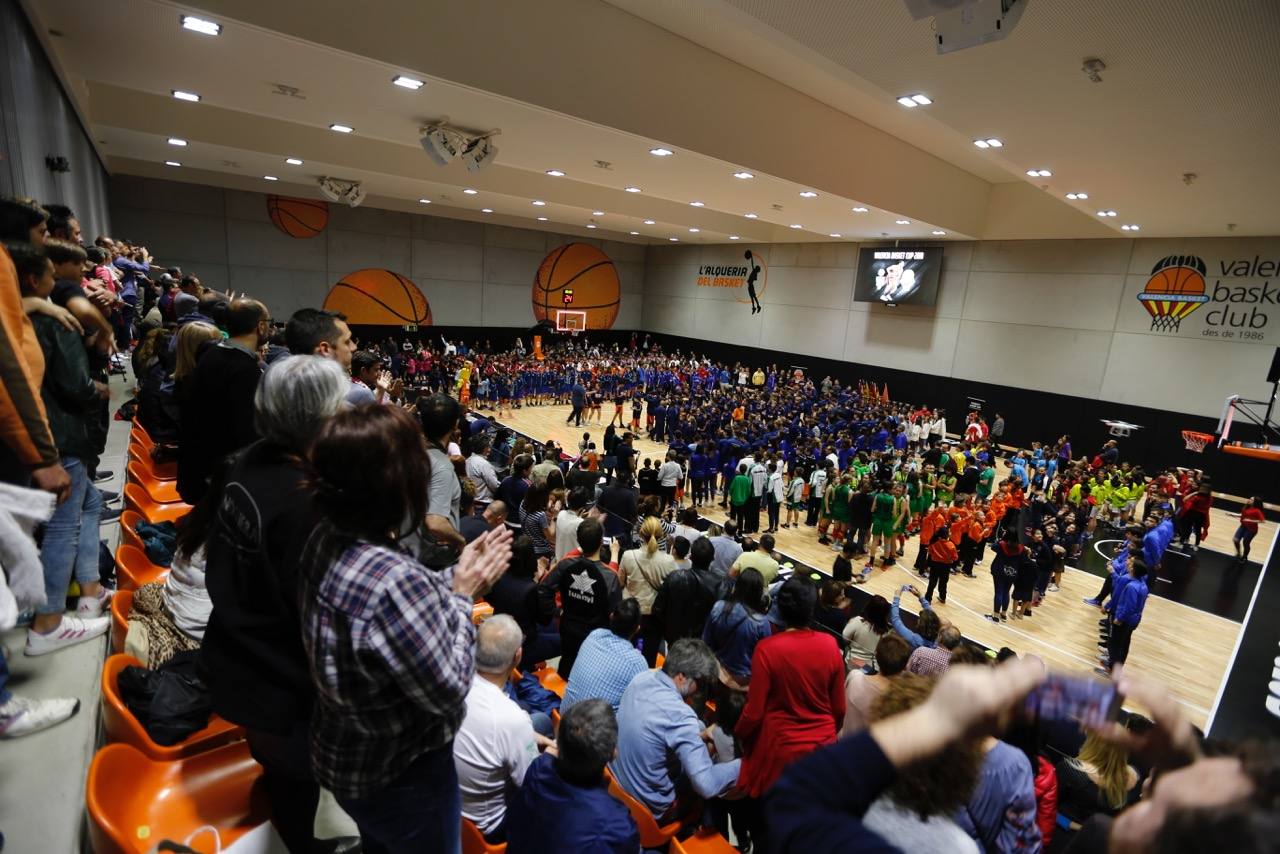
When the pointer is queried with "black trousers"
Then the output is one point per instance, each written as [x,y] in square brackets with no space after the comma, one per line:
[938,575]
[290,784]
[968,554]
[1106,588]
[668,494]
[815,504]
[775,509]
[1118,645]
[651,635]
[739,514]
[752,511]
[575,416]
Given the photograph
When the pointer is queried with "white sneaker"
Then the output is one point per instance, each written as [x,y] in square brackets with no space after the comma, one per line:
[25,715]
[88,607]
[1053,588]
[72,631]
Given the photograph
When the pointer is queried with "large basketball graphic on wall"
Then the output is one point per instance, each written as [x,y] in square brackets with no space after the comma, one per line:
[580,282]
[300,218]
[379,298]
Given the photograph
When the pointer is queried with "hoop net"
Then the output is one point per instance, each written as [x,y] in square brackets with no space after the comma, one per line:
[1165,323]
[1196,441]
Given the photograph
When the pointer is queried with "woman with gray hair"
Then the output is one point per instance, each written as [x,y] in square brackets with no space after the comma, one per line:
[257,668]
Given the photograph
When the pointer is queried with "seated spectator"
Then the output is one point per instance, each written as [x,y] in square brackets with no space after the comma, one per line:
[684,601]
[568,520]
[865,633]
[496,741]
[1099,780]
[513,487]
[725,541]
[861,689]
[607,660]
[680,551]
[796,700]
[589,593]
[660,747]
[1001,813]
[734,627]
[390,642]
[494,516]
[481,471]
[927,661]
[564,803]
[760,559]
[516,593]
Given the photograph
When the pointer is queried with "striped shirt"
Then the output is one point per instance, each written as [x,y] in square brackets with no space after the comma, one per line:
[391,651]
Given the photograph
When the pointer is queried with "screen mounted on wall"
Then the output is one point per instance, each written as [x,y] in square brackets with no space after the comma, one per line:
[898,275]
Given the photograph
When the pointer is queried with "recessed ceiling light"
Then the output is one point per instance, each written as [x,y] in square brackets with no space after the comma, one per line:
[796,225]
[407,82]
[424,201]
[538,202]
[906,101]
[1106,213]
[200,25]
[649,222]
[631,189]
[750,216]
[470,192]
[555,173]
[694,230]
[661,152]
[341,128]
[833,234]
[808,194]
[172,163]
[486,210]
[1077,196]
[1128,228]
[590,225]
[293,161]
[542,219]
[903,221]
[922,100]
[733,237]
[634,233]
[696,204]
[988,143]
[674,239]
[270,178]
[597,213]
[173,140]
[939,233]
[1039,173]
[745,176]
[184,96]
[859,210]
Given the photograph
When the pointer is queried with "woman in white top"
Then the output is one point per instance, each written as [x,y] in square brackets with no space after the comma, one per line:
[863,633]
[642,571]
[914,432]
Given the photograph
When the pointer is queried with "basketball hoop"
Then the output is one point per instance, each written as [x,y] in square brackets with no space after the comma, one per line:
[1196,441]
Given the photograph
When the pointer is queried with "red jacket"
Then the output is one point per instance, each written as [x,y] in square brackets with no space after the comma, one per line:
[943,551]
[1046,800]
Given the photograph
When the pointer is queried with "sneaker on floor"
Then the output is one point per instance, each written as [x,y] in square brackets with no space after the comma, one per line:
[72,631]
[1093,602]
[25,715]
[88,607]
[102,476]
[108,496]
[109,514]
[1053,588]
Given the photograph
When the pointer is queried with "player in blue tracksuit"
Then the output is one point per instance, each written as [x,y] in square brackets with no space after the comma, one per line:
[1130,603]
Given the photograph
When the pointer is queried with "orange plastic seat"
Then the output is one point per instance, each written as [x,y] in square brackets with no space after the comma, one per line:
[137,500]
[122,727]
[473,841]
[551,680]
[158,471]
[129,520]
[134,569]
[162,491]
[651,834]
[134,801]
[121,603]
[705,841]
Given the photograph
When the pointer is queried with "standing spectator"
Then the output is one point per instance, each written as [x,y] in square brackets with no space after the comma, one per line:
[589,593]
[934,660]
[642,571]
[618,502]
[684,600]
[517,593]
[727,547]
[864,633]
[315,332]
[390,642]
[735,626]
[217,405]
[670,474]
[481,472]
[439,416]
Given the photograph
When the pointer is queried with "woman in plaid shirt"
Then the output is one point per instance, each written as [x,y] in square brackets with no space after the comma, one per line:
[390,642]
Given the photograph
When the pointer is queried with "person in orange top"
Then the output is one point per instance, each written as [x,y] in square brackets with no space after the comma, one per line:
[739,413]
[958,521]
[1250,517]
[974,534]
[929,525]
[942,558]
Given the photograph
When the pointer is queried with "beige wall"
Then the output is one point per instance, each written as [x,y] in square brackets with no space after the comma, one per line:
[1054,315]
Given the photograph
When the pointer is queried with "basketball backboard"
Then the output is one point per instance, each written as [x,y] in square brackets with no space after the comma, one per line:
[568,320]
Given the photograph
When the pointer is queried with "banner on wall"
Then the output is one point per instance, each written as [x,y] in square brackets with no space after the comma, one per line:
[747,278]
[1229,297]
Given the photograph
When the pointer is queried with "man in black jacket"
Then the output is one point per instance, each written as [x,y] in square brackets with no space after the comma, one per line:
[589,592]
[685,598]
[217,401]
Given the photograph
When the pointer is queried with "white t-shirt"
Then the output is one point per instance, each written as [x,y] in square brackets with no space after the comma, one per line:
[493,748]
[670,473]
[777,486]
[567,523]
[914,431]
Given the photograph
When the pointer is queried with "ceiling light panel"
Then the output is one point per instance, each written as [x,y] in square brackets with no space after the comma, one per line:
[185,96]
[201,25]
[661,152]
[407,82]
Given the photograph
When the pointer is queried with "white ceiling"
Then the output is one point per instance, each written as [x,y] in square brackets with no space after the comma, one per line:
[576,81]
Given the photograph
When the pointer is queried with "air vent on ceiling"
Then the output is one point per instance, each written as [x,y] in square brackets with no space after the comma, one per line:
[231,164]
[776,207]
[604,164]
[289,91]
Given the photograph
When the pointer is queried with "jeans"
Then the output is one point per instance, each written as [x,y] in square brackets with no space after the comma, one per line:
[290,784]
[71,539]
[421,810]
[1002,584]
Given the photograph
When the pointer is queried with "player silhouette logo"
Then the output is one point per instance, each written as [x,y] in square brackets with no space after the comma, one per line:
[751,283]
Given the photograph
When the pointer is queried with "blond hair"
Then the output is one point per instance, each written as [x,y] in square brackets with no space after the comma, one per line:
[190,337]
[650,530]
[1111,763]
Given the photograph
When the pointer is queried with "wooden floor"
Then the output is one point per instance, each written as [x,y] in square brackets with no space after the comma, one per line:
[1186,649]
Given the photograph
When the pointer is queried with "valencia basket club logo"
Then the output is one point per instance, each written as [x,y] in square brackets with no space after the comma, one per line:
[1175,289]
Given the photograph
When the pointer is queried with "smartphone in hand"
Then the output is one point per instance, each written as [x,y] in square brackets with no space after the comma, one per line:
[1088,702]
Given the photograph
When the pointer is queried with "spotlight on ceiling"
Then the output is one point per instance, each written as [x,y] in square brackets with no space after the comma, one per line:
[338,190]
[441,145]
[480,152]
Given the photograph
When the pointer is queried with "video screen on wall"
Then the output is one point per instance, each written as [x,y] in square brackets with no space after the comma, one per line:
[898,275]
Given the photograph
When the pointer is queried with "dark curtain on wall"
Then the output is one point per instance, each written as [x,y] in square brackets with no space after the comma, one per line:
[38,121]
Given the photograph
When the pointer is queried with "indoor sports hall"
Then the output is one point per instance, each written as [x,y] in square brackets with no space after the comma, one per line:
[639,425]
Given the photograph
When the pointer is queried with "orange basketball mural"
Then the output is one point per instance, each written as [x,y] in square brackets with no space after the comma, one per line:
[379,298]
[577,277]
[1175,289]
[300,218]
